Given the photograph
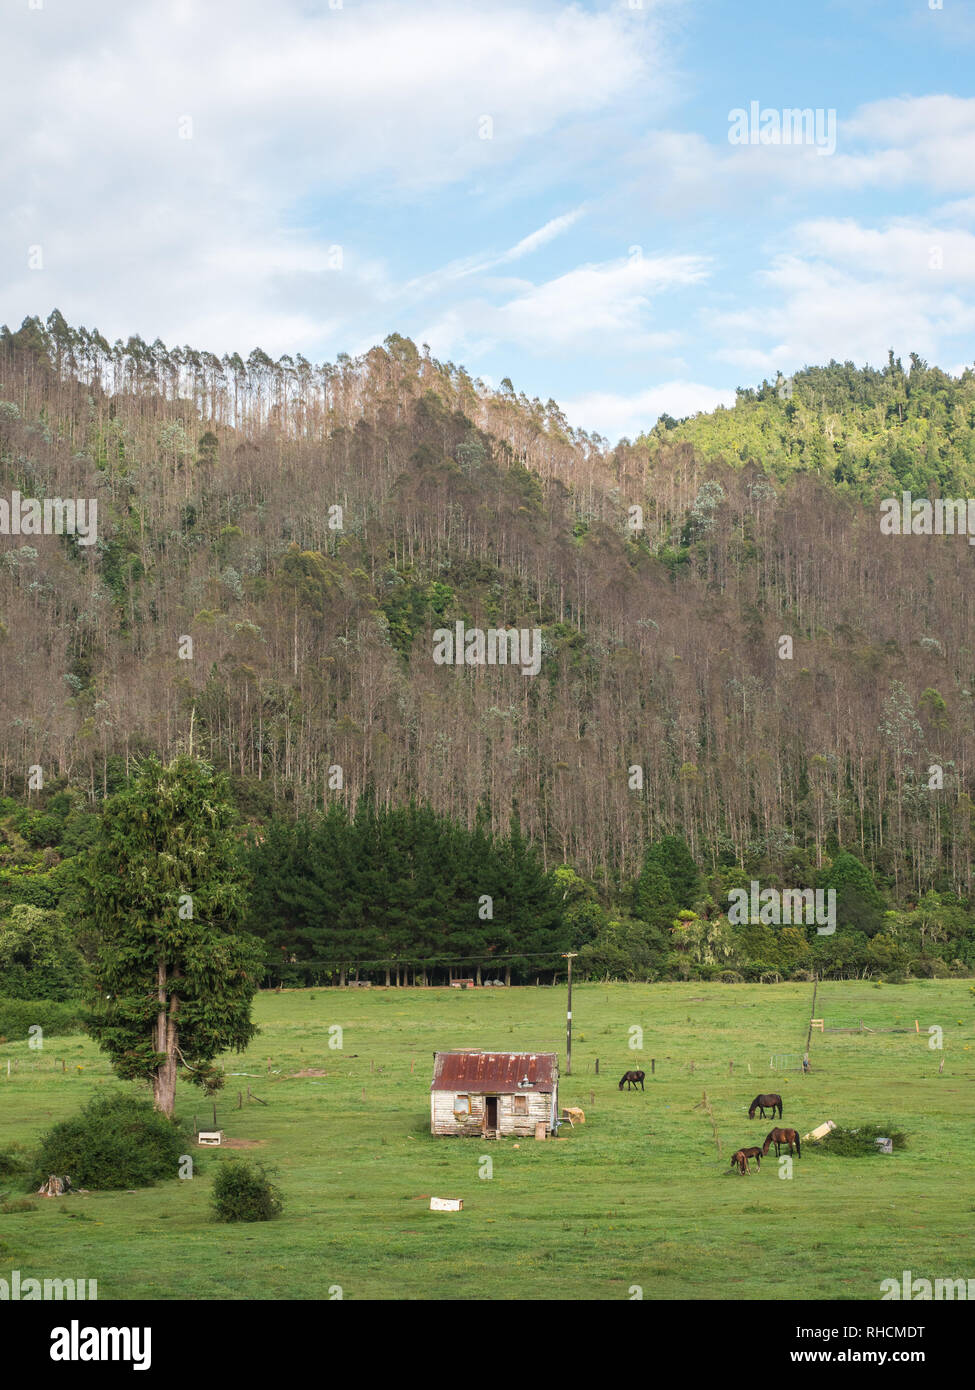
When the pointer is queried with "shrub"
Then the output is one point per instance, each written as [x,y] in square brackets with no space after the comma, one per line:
[931,968]
[38,829]
[858,1143]
[116,1141]
[12,1163]
[38,955]
[56,1017]
[34,888]
[244,1192]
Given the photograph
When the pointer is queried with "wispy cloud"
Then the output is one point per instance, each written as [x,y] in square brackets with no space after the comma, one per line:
[594,308]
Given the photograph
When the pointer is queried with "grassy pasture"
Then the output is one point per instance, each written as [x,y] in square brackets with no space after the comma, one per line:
[637,1196]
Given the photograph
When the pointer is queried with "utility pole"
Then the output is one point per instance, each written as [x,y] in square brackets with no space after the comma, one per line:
[570,957]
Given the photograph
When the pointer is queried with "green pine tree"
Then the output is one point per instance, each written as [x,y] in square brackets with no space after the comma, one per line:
[674,857]
[164,897]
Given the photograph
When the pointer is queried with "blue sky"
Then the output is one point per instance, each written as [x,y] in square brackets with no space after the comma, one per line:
[536,190]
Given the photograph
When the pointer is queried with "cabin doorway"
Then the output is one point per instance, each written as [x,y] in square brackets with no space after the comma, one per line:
[490,1113]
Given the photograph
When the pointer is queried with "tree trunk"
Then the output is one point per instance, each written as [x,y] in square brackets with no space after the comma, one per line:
[164,1078]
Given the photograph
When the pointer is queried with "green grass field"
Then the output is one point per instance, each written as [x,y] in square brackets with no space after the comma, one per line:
[637,1196]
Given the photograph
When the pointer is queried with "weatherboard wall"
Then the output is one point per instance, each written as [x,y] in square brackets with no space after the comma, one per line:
[513,1118]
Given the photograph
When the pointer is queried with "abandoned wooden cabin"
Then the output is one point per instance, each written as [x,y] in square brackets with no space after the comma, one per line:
[492,1094]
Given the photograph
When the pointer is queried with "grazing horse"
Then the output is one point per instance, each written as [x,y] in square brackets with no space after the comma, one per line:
[782,1136]
[743,1155]
[760,1103]
[633,1079]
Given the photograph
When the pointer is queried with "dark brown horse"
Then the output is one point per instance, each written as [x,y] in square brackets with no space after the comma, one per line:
[633,1079]
[743,1155]
[761,1102]
[782,1136]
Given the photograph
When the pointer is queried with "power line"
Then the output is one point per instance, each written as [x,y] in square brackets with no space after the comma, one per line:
[348,963]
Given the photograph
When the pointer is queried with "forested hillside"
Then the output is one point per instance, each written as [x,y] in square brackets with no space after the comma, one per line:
[309,527]
[871,433]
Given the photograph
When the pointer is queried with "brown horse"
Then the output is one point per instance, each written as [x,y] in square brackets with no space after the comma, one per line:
[782,1136]
[760,1103]
[633,1079]
[743,1155]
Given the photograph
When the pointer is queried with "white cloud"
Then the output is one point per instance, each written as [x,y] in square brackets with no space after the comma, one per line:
[615,415]
[307,119]
[593,308]
[592,302]
[291,111]
[853,292]
[468,266]
[926,142]
[907,249]
[553,228]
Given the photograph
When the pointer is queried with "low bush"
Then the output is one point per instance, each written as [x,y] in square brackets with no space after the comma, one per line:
[13,1163]
[244,1192]
[116,1141]
[858,1143]
[57,1017]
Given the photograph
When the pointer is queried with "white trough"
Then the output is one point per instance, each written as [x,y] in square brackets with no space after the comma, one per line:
[821,1131]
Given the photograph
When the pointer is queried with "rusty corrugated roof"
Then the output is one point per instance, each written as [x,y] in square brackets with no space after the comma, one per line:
[494,1071]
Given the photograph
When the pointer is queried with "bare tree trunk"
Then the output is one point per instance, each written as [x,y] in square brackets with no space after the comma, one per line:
[164,1079]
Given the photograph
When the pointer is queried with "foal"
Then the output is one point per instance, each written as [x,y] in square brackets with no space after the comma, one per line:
[743,1155]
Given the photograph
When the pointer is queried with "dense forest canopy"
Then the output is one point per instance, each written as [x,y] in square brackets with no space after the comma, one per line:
[310,527]
[869,432]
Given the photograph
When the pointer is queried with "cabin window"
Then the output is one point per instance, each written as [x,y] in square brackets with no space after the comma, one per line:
[462,1105]
[521,1105]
